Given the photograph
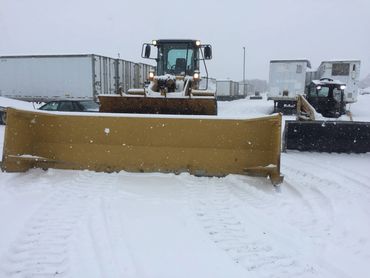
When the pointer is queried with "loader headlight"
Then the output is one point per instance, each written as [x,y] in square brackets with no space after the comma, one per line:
[342,87]
[197,43]
[151,75]
[196,75]
[154,42]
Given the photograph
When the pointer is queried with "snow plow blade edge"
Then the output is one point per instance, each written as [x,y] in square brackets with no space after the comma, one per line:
[202,146]
[327,136]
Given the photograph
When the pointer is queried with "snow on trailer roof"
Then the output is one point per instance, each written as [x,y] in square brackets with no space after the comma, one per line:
[341,61]
[293,61]
[52,56]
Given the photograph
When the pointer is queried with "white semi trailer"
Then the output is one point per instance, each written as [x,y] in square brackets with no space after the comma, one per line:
[53,77]
[227,90]
[287,79]
[346,71]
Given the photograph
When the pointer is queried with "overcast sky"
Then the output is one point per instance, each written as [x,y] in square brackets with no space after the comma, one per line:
[269,29]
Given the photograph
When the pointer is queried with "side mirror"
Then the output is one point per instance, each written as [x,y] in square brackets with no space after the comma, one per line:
[146,48]
[208,52]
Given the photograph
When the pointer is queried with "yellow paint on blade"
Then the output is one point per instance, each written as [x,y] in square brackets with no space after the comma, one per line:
[201,146]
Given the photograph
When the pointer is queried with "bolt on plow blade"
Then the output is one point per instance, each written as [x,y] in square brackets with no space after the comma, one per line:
[154,105]
[206,146]
[327,136]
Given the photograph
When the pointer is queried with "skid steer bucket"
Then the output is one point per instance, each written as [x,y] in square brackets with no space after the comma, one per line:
[204,145]
[327,136]
[158,105]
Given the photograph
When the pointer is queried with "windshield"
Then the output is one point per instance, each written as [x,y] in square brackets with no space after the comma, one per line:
[323,92]
[52,106]
[337,94]
[176,58]
[89,105]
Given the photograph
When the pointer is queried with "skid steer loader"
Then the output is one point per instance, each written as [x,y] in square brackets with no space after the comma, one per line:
[318,128]
[174,87]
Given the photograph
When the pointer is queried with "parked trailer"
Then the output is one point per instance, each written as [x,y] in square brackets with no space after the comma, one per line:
[227,90]
[346,71]
[125,74]
[208,83]
[287,79]
[142,73]
[52,77]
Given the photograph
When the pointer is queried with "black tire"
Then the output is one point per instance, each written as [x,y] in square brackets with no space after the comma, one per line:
[3,117]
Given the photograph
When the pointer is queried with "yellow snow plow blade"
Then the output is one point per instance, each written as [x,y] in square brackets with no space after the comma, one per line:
[206,146]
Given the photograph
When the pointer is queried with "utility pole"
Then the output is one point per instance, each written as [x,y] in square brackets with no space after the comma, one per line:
[244,70]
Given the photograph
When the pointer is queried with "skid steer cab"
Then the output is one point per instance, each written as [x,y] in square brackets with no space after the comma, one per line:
[327,97]
[175,85]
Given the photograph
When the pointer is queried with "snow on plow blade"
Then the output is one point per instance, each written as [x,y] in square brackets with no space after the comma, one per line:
[327,136]
[155,105]
[137,143]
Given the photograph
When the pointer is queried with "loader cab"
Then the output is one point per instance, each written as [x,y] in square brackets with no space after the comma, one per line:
[177,57]
[327,97]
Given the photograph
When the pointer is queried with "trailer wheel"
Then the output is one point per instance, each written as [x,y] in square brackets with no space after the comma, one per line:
[3,117]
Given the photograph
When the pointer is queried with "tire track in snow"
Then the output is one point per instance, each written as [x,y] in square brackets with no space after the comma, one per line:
[105,231]
[320,223]
[344,197]
[235,226]
[345,173]
[43,246]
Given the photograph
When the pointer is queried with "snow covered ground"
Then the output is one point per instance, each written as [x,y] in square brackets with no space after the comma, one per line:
[86,224]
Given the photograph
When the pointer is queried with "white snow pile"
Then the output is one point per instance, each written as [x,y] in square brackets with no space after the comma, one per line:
[245,107]
[60,223]
[360,109]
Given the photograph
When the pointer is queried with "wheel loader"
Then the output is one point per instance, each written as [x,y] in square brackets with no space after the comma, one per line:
[318,126]
[174,87]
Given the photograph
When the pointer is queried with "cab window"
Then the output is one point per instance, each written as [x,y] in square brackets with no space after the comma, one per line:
[51,106]
[66,106]
[323,92]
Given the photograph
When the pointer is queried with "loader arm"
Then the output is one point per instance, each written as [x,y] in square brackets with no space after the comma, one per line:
[305,111]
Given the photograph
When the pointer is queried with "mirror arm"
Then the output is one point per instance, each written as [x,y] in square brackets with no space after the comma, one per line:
[205,67]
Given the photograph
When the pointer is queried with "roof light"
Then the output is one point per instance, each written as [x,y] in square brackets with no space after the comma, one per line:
[197,43]
[318,87]
[154,42]
[342,87]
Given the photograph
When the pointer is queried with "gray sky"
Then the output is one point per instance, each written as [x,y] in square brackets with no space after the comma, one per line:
[270,29]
